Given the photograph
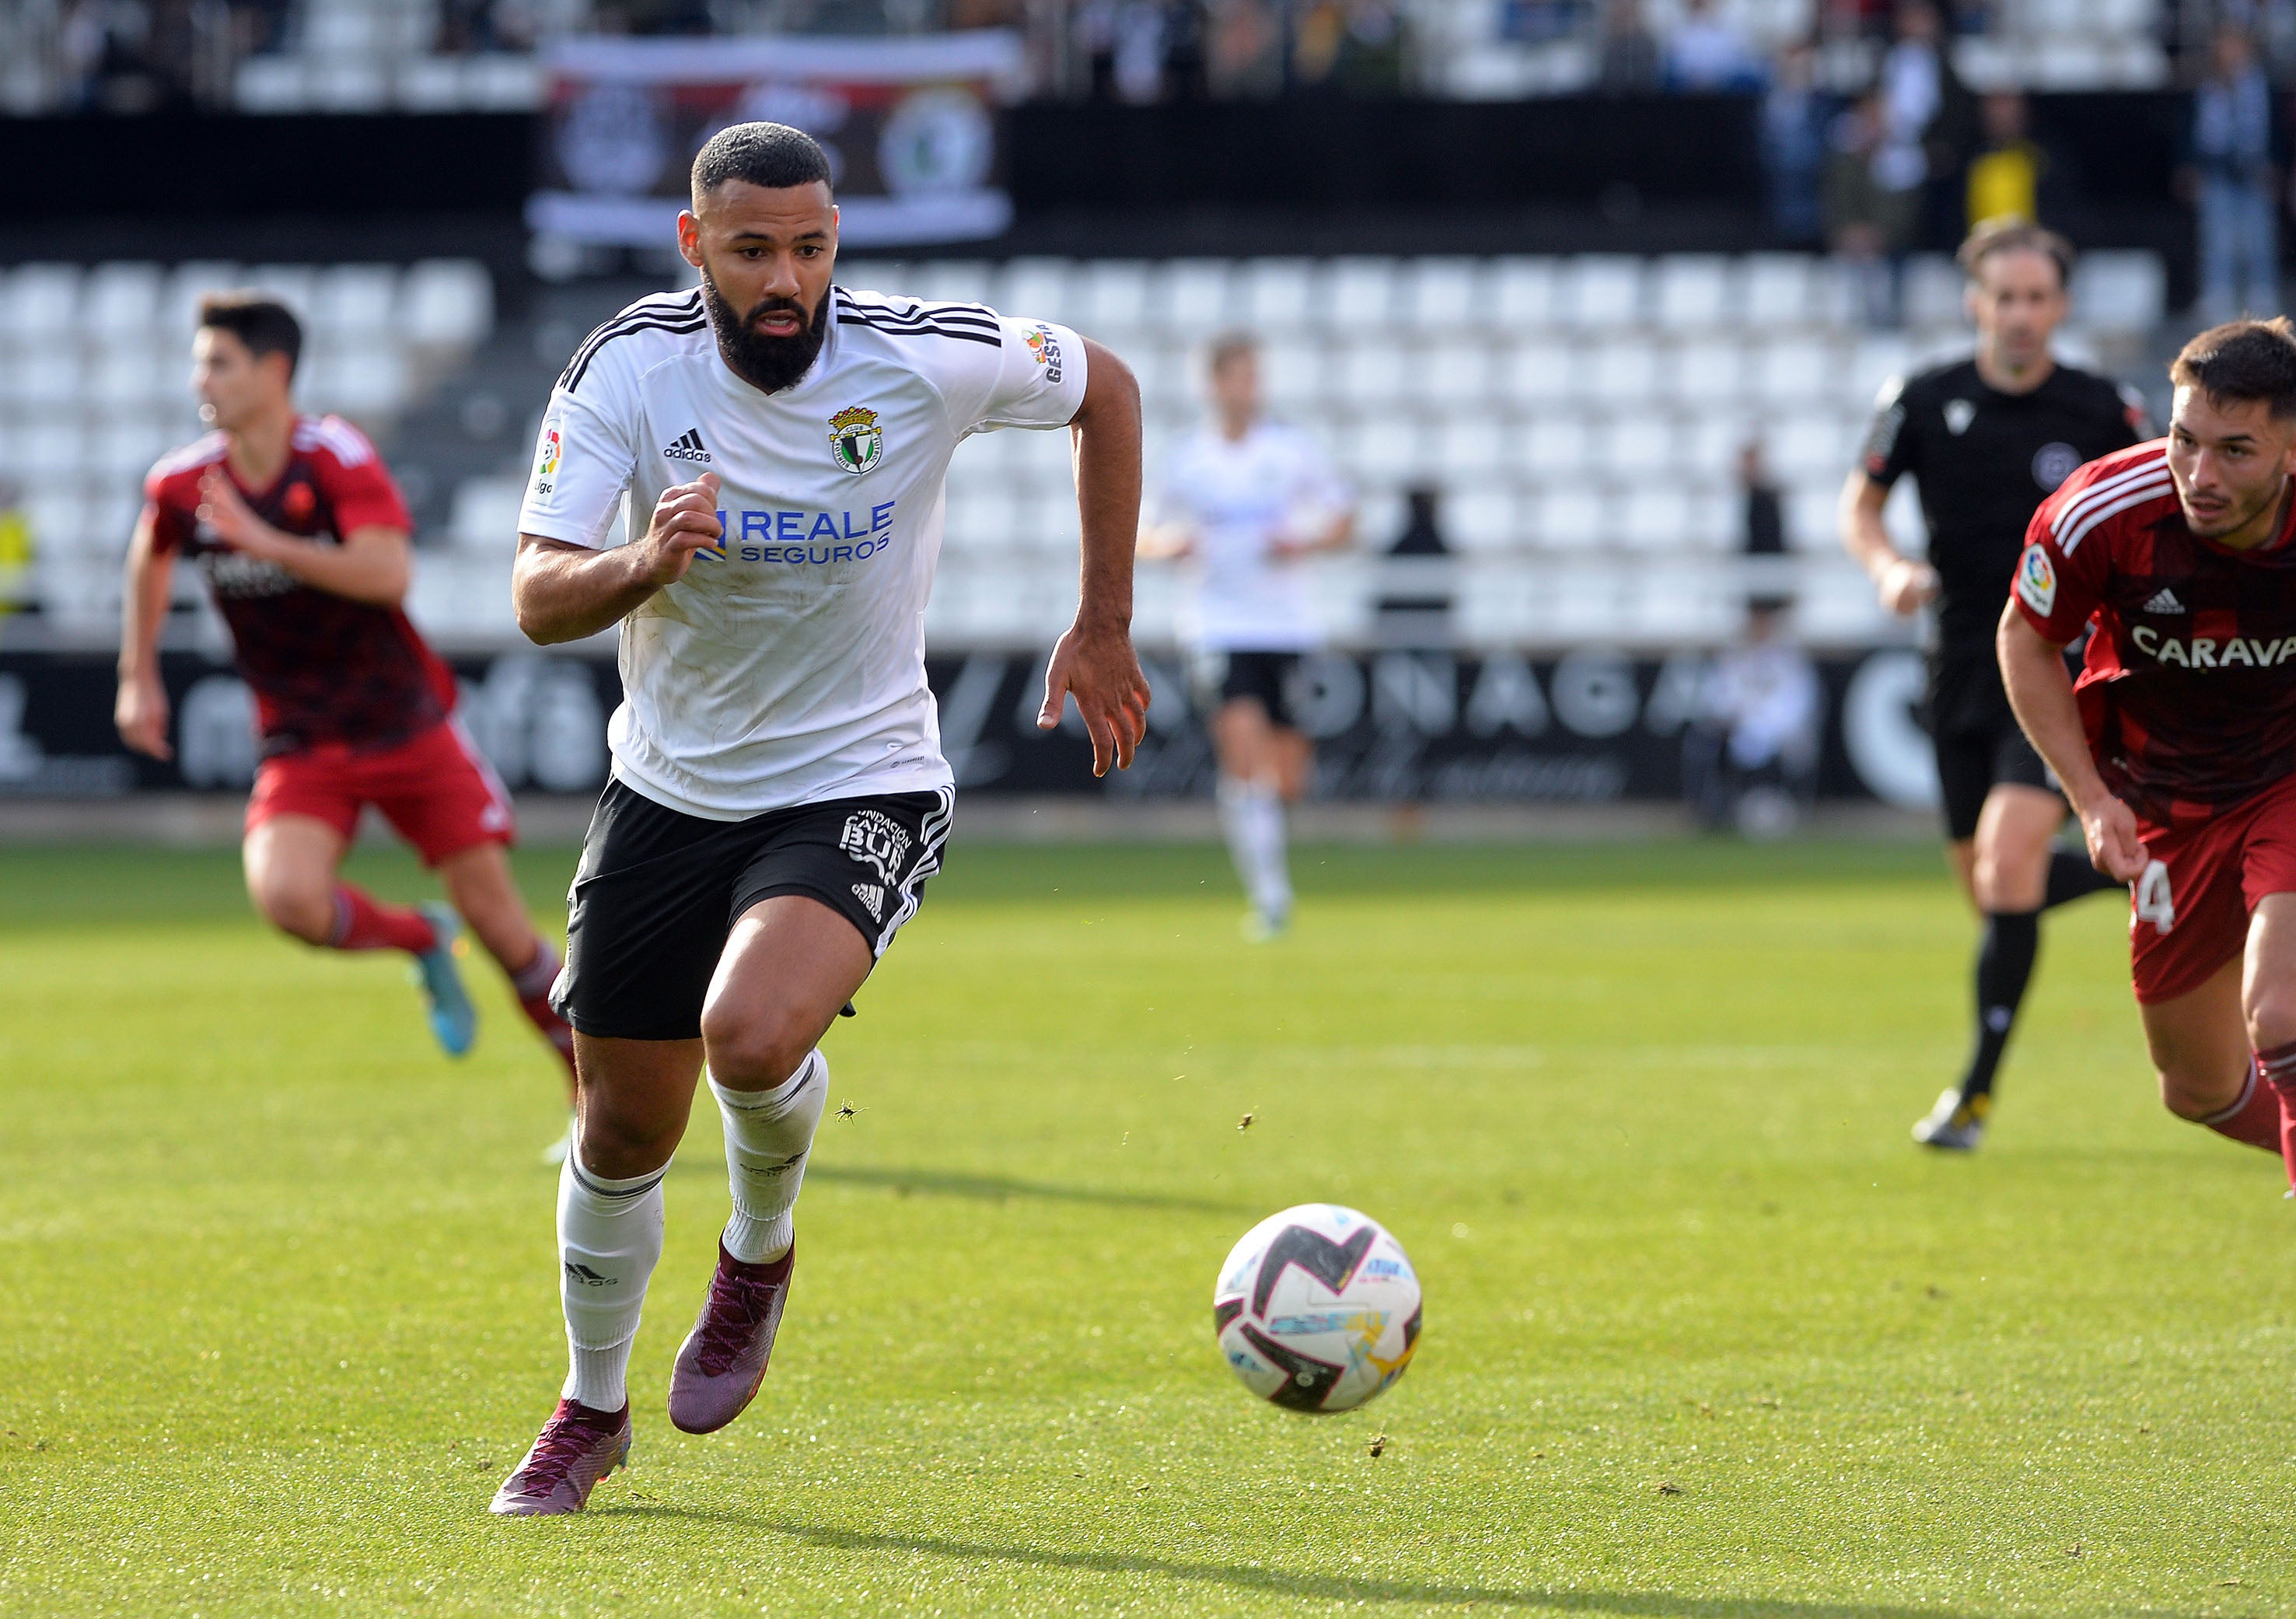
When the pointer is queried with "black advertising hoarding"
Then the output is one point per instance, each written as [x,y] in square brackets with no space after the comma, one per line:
[911,127]
[1588,727]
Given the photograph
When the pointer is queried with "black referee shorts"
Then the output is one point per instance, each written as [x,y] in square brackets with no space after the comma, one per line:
[1267,677]
[1979,744]
[657,893]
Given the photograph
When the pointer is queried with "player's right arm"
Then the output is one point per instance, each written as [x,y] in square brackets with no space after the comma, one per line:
[1904,584]
[570,581]
[2054,595]
[565,592]
[140,710]
[2033,668]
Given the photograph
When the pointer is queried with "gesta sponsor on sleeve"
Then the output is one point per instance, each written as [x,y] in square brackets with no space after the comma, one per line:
[810,538]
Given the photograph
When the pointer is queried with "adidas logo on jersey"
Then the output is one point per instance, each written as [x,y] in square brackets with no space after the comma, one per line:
[2164,600]
[688,448]
[871,895]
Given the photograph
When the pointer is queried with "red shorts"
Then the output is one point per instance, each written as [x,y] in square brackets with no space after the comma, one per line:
[437,790]
[2190,910]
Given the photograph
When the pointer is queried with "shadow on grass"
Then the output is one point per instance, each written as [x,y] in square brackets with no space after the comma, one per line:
[1279,1582]
[1000,1189]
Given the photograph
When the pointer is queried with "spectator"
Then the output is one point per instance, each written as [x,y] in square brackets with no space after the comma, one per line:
[1869,221]
[1793,124]
[1766,512]
[1928,119]
[2231,175]
[1244,56]
[1751,758]
[1371,50]
[1420,614]
[2005,176]
[1630,60]
[1705,53]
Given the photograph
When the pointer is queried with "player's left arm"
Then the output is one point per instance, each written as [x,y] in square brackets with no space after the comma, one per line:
[1332,505]
[370,564]
[1094,663]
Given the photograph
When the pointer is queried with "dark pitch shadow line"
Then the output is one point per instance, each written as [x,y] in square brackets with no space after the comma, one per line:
[1278,1583]
[985,1188]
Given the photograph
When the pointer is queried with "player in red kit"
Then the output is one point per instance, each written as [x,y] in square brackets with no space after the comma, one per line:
[2177,745]
[303,539]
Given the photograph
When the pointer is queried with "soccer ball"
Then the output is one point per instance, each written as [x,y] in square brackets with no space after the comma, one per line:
[1317,1309]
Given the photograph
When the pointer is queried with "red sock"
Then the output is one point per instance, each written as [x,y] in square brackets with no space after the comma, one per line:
[2253,1121]
[2277,1067]
[532,983]
[362,924]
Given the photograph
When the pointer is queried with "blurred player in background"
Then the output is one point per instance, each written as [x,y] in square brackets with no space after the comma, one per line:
[1244,501]
[779,795]
[2179,746]
[304,541]
[1988,439]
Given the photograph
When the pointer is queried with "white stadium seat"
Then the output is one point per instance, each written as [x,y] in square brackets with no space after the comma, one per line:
[1278,294]
[1359,291]
[954,281]
[1693,293]
[1776,290]
[1524,293]
[1620,370]
[1114,294]
[1603,290]
[1442,294]
[447,303]
[1190,294]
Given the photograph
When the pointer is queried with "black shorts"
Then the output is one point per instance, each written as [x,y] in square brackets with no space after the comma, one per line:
[1266,676]
[657,893]
[1979,744]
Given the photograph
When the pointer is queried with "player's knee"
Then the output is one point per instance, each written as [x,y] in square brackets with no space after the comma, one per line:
[2271,1012]
[753,1048]
[2188,1096]
[304,911]
[1999,883]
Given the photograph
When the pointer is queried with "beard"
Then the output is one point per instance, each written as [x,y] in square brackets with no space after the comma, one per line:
[769,364]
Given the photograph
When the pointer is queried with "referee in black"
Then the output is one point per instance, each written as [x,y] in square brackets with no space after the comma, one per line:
[1988,439]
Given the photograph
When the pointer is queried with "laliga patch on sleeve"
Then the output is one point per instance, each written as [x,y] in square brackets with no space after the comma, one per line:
[2036,582]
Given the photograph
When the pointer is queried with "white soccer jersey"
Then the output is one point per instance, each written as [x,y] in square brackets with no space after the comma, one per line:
[1239,496]
[787,667]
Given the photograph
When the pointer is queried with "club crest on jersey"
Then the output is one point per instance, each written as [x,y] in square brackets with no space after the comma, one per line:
[2036,582]
[2053,464]
[855,441]
[1958,414]
[877,841]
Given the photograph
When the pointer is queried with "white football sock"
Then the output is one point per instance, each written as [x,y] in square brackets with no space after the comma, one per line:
[1251,815]
[767,1135]
[609,1239]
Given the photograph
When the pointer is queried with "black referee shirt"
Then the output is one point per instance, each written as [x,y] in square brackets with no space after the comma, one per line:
[1984,461]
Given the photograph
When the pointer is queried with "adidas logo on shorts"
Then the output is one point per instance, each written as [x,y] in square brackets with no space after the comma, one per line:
[2164,600]
[687,447]
[871,895]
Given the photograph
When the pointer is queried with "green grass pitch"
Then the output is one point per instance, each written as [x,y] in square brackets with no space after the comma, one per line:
[280,1306]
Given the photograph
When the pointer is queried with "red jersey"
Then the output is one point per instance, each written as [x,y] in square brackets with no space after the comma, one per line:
[323,668]
[2188,689]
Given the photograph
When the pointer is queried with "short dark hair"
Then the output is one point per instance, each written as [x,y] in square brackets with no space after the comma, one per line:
[772,155]
[2243,360]
[2012,233]
[264,324]
[1229,345]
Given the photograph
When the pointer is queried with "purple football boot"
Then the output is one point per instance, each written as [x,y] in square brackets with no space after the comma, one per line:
[577,1448]
[723,1359]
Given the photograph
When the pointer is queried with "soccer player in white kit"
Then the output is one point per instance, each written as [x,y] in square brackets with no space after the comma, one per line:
[778,794]
[1244,500]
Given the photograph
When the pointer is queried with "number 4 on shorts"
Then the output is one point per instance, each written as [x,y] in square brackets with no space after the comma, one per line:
[2154,903]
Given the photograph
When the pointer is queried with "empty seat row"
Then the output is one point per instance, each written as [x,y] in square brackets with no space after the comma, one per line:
[440,302]
[1687,292]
